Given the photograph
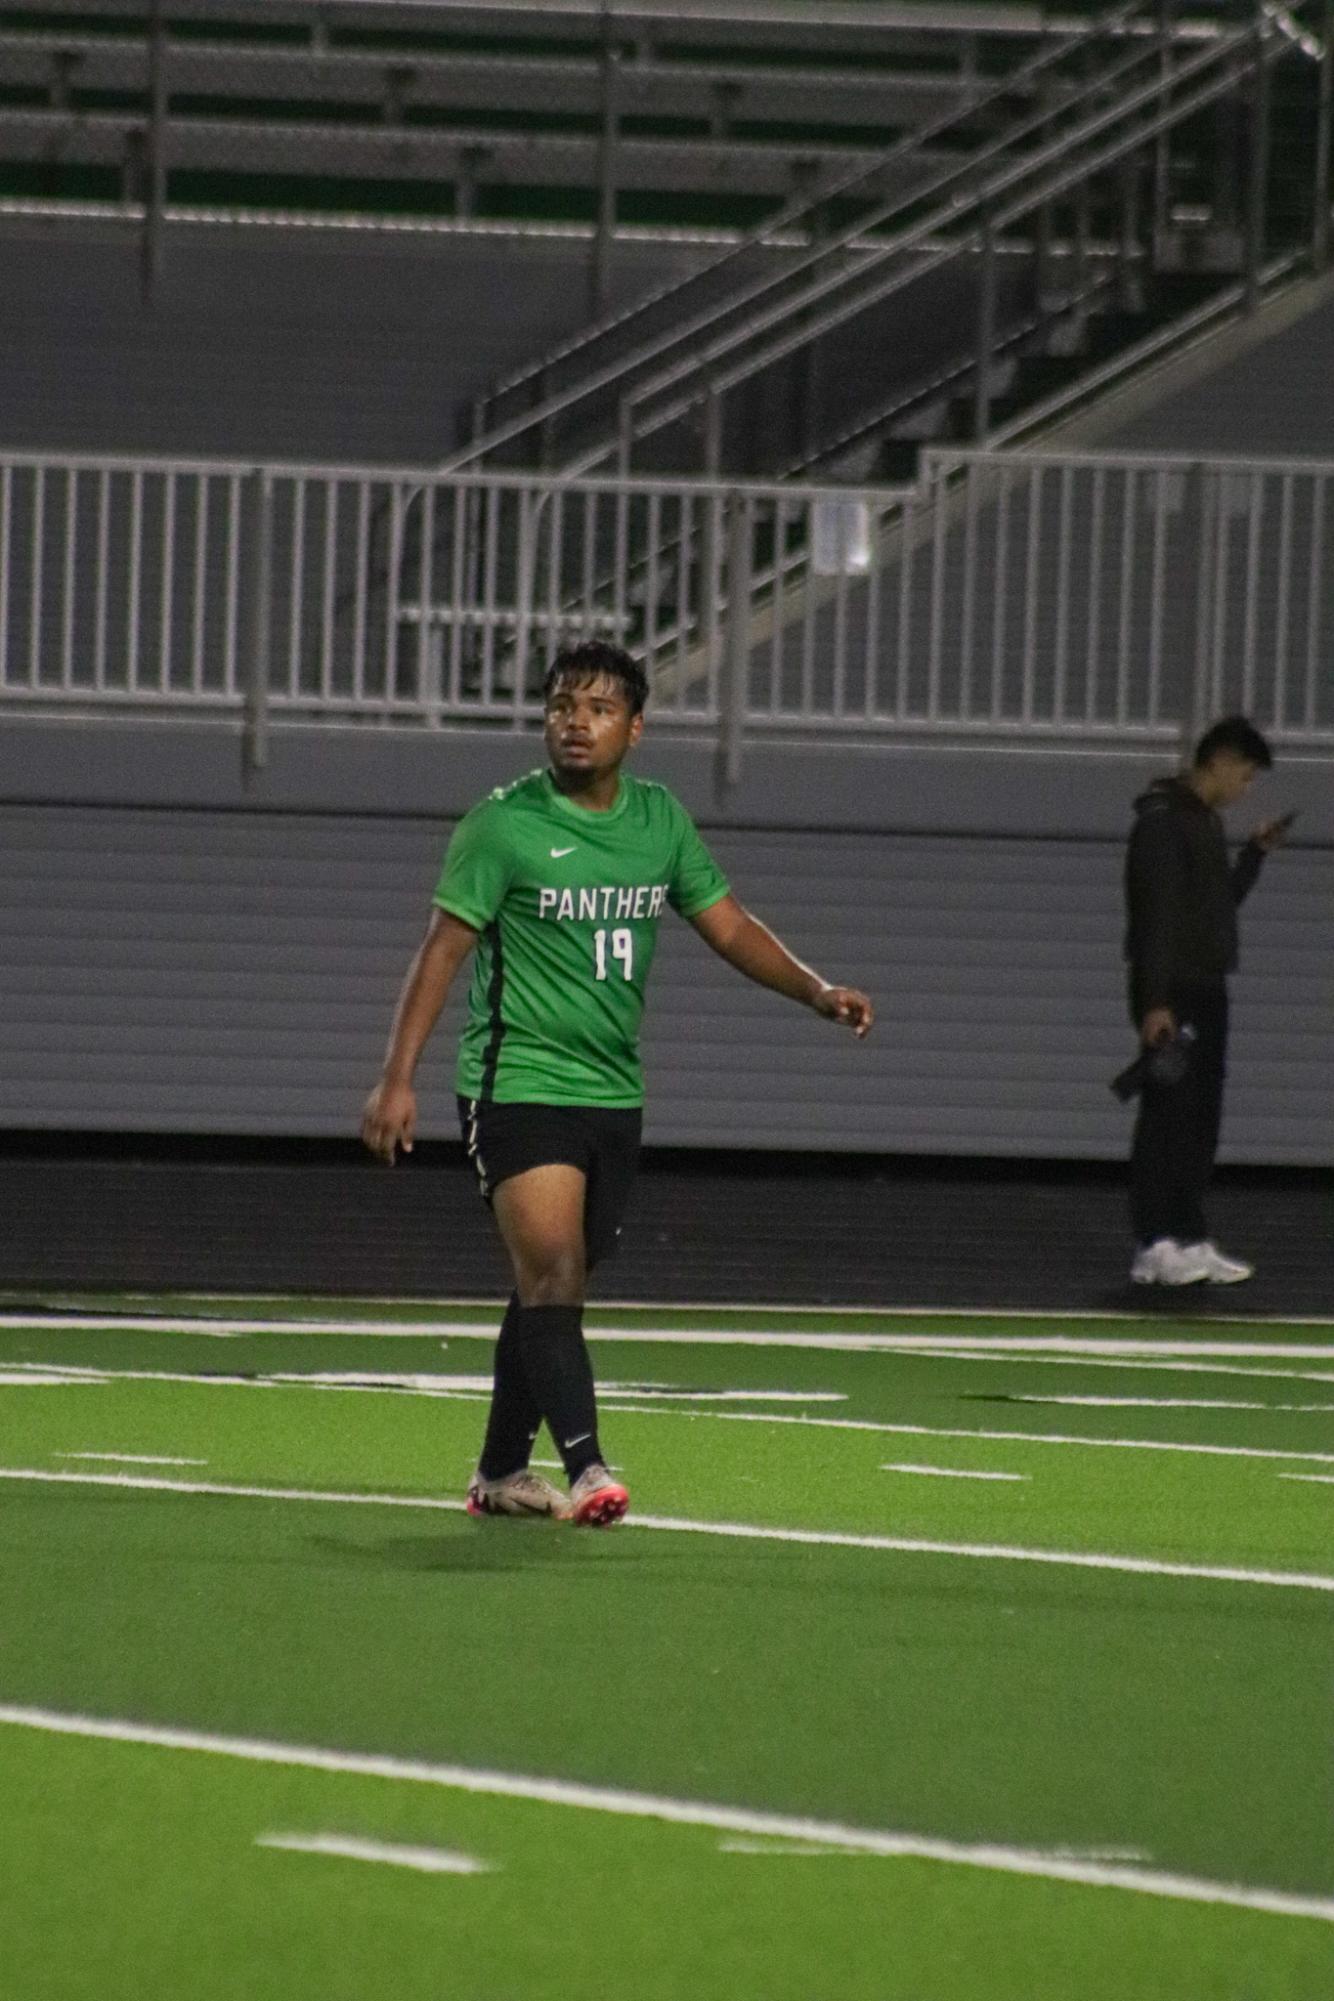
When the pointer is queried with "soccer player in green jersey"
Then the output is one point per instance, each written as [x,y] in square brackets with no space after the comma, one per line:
[558,882]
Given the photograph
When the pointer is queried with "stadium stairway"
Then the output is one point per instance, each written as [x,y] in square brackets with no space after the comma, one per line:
[1095,201]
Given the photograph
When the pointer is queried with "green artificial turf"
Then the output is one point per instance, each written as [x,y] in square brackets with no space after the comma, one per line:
[175,1898]
[972,1699]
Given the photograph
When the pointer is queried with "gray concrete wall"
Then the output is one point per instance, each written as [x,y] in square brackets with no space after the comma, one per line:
[1270,398]
[181,952]
[271,344]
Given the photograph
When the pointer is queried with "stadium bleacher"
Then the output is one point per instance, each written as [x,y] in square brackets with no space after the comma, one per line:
[476,111]
[799,135]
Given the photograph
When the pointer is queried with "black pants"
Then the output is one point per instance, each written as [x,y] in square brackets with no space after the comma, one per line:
[1176,1133]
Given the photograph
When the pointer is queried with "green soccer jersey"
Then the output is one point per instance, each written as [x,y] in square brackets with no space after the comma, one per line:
[567,902]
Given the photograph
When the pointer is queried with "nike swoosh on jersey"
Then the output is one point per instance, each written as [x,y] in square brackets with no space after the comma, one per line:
[556,853]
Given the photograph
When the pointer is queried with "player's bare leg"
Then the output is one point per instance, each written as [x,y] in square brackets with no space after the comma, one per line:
[541,1218]
[540,1214]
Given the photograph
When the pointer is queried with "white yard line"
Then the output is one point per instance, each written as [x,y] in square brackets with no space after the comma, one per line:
[786,1850]
[780,1310]
[717,1416]
[664,1393]
[424,1382]
[75,1372]
[1176,1367]
[684,1813]
[1146,1316]
[1070,1344]
[1101,1854]
[1166,1403]
[1139,1566]
[453,1389]
[959,1431]
[983,1344]
[1143,1566]
[35,1376]
[116,1323]
[352,1848]
[1313,1479]
[429,1385]
[131,1458]
[948,1472]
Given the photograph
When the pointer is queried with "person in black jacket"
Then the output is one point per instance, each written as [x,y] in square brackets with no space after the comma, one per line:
[1182,893]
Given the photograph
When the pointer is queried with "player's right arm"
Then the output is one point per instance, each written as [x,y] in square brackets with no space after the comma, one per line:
[390,1117]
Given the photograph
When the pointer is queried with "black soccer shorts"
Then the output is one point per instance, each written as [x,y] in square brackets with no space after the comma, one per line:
[504,1140]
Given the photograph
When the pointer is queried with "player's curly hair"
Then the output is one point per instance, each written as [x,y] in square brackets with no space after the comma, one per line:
[593,657]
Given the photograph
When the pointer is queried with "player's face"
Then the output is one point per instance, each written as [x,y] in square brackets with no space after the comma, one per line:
[589,726]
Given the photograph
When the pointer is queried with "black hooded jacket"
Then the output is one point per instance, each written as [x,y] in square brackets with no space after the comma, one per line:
[1182,892]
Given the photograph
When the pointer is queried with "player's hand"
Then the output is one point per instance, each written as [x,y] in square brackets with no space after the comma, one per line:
[1271,834]
[1158,1025]
[389,1120]
[846,1005]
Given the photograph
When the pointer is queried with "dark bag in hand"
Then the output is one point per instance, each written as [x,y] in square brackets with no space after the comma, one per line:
[1166,1063]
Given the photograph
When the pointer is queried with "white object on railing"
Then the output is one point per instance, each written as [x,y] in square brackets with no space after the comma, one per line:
[840,538]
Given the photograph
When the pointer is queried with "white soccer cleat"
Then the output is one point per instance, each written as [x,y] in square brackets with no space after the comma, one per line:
[521,1493]
[1219,1269]
[597,1500]
[1167,1262]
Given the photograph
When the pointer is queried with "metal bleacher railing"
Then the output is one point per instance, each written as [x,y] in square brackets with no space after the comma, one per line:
[1089,126]
[453,110]
[1035,597]
[605,357]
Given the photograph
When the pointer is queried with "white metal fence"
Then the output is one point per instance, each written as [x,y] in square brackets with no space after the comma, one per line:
[1076,597]
[1114,592]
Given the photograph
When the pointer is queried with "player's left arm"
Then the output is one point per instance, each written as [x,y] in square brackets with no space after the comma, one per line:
[753,949]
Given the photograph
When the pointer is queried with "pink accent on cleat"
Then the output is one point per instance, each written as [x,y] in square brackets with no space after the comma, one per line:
[597,1500]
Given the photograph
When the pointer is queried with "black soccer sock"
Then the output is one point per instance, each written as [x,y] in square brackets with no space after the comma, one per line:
[515,1415]
[560,1380]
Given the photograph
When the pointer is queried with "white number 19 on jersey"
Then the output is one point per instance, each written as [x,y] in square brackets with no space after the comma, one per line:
[622,949]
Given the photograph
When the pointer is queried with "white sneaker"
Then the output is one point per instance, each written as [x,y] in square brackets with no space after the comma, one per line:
[1166,1262]
[1219,1270]
[521,1493]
